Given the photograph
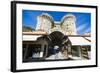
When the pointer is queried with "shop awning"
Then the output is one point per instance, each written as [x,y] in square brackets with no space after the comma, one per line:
[79,40]
[30,37]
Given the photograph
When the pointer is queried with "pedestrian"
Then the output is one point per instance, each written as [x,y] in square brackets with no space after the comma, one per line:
[56,51]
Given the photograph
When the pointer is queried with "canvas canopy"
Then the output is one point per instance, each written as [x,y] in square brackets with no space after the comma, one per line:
[79,41]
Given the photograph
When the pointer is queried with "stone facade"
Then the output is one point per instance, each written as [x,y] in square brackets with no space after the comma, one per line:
[67,24]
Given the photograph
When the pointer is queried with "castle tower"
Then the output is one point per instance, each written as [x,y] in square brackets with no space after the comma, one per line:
[44,22]
[68,24]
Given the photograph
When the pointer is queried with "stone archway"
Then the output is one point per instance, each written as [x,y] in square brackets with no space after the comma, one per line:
[56,38]
[63,43]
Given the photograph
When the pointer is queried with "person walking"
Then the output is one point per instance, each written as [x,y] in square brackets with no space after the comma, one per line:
[56,51]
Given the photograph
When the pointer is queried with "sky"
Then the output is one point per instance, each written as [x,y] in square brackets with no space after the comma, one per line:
[83,20]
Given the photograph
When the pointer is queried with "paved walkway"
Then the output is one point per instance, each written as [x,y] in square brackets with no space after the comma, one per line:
[56,56]
[59,56]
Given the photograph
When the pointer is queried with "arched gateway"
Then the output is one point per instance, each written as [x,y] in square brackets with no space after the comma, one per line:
[61,41]
[56,38]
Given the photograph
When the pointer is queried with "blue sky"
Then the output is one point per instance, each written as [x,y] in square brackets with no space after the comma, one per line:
[83,20]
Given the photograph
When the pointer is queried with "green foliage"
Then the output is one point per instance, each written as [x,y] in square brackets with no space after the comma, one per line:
[27,29]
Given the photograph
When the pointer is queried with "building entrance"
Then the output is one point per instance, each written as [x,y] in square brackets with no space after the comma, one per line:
[56,38]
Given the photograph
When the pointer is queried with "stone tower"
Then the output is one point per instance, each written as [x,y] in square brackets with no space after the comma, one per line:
[68,24]
[44,22]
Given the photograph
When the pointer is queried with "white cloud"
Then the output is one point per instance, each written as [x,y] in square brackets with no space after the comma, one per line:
[81,27]
[87,30]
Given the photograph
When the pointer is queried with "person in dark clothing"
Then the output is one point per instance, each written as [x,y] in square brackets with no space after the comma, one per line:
[56,51]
